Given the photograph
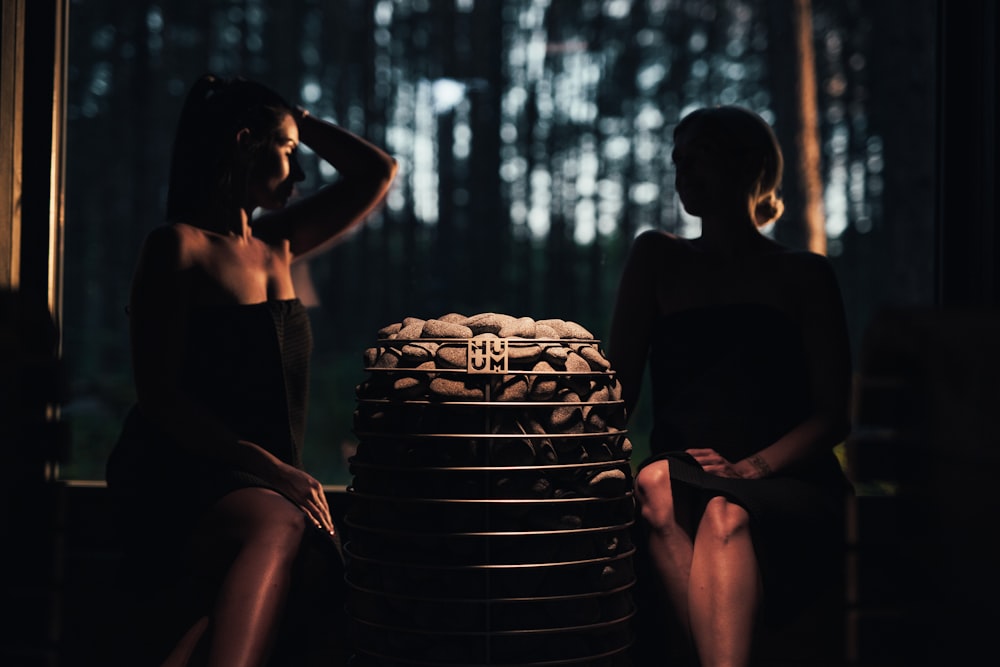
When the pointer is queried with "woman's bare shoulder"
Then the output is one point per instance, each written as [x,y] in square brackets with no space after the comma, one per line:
[175,243]
[809,276]
[657,243]
[805,263]
[661,237]
[174,233]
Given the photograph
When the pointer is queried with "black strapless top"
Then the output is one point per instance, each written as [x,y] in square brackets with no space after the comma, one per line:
[249,365]
[245,364]
[732,377]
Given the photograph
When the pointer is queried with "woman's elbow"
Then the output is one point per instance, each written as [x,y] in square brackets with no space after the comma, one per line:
[379,180]
[385,172]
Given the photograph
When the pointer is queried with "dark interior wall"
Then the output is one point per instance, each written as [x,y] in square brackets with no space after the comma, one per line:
[925,417]
[947,361]
[926,421]
[967,142]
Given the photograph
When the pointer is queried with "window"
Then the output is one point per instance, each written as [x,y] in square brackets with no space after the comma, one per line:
[534,141]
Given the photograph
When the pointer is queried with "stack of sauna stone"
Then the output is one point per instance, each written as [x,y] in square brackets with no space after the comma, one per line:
[491,500]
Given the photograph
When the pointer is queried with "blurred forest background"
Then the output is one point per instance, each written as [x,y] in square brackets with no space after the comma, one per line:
[534,141]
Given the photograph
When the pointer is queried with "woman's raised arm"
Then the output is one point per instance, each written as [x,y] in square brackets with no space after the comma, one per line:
[314,222]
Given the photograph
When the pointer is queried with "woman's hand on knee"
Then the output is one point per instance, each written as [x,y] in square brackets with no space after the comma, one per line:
[307,492]
[714,463]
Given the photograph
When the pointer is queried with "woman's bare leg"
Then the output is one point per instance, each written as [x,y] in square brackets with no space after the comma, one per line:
[267,530]
[725,586]
[670,546]
[183,651]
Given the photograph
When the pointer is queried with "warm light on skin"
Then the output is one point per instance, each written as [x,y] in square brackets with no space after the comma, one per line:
[277,170]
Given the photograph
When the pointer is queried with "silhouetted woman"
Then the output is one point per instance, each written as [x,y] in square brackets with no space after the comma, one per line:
[207,472]
[742,497]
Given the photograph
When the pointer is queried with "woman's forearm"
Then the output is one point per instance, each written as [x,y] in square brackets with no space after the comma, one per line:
[349,154]
[314,222]
[813,435]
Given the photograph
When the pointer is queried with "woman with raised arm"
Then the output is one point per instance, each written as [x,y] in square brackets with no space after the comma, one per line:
[207,473]
[742,498]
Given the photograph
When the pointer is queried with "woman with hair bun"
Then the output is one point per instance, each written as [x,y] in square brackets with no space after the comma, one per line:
[207,474]
[742,497]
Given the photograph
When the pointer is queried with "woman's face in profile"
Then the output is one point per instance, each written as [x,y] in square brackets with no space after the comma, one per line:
[703,168]
[276,170]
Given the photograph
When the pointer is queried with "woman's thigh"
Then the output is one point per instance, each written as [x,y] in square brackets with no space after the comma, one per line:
[246,517]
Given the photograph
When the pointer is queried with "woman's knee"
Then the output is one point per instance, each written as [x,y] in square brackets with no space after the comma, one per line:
[724,520]
[655,495]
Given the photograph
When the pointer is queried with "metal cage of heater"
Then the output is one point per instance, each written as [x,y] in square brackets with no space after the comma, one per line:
[478,533]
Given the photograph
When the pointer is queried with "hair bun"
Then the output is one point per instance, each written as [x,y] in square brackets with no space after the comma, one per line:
[768,209]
